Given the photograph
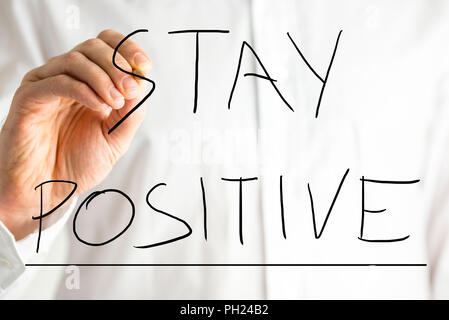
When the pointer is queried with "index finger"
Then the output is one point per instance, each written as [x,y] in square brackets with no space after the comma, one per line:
[135,56]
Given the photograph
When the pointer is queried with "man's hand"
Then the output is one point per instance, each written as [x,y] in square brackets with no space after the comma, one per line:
[58,122]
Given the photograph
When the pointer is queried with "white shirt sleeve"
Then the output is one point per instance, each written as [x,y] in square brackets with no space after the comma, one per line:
[14,255]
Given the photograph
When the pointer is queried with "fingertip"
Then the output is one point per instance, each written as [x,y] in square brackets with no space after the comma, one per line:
[117,98]
[142,62]
[107,110]
[131,87]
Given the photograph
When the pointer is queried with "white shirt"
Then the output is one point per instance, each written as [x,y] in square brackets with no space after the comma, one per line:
[383,116]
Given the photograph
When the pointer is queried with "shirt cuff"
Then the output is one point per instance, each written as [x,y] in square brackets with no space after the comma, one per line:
[14,254]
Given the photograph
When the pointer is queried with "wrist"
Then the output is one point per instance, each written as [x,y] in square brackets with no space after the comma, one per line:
[18,220]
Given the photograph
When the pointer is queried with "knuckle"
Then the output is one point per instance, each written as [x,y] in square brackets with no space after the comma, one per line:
[72,57]
[52,59]
[29,76]
[106,33]
[22,91]
[94,42]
